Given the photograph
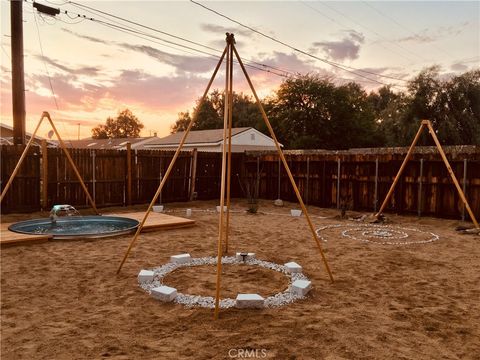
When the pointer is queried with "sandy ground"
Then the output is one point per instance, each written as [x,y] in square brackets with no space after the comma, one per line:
[63,300]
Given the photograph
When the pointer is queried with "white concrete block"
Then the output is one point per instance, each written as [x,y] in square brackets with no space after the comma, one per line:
[158,208]
[249,301]
[278,202]
[164,293]
[224,208]
[243,256]
[293,267]
[145,276]
[295,212]
[301,287]
[180,258]
[188,213]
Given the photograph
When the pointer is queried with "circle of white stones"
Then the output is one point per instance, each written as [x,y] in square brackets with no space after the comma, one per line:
[276,300]
[379,234]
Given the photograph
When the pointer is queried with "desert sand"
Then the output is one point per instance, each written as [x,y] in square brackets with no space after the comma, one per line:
[63,299]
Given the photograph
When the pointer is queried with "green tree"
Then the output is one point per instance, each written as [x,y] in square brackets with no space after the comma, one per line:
[389,110]
[123,126]
[458,119]
[310,112]
[209,114]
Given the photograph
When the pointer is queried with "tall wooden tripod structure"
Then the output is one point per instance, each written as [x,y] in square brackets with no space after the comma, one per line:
[224,217]
[428,125]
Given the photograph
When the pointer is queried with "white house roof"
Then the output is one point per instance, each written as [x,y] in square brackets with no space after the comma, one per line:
[6,136]
[213,136]
[118,143]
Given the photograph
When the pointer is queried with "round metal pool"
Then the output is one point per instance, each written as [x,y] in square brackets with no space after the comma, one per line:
[69,227]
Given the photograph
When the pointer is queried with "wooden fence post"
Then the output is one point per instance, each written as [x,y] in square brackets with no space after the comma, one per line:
[193,173]
[420,183]
[464,185]
[308,175]
[375,194]
[93,176]
[129,174]
[44,175]
[339,164]
[279,177]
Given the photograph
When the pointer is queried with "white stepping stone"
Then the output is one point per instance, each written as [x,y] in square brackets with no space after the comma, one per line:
[249,301]
[301,287]
[164,293]
[244,256]
[293,267]
[224,208]
[145,276]
[180,258]
[296,213]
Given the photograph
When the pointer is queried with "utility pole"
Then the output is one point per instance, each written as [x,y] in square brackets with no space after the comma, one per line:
[18,83]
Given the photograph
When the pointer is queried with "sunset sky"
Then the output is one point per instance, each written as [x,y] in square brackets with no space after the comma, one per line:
[96,70]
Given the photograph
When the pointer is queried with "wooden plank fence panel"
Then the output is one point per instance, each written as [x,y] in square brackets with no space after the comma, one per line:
[24,193]
[105,174]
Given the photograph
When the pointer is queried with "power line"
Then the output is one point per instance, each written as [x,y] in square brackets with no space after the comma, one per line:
[141,34]
[126,28]
[331,63]
[400,25]
[373,31]
[208,47]
[340,24]
[44,62]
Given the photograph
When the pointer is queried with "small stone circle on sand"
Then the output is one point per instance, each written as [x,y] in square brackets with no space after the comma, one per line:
[379,234]
[152,281]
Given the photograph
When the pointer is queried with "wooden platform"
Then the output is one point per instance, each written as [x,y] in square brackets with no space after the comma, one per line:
[155,221]
[158,221]
[8,237]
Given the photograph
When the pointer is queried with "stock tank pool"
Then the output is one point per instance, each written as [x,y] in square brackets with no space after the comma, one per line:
[70,227]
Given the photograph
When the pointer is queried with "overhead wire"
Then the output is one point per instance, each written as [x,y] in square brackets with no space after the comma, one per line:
[346,68]
[105,14]
[335,21]
[44,62]
[402,26]
[128,29]
[373,31]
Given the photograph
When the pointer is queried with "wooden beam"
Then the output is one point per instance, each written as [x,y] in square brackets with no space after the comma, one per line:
[44,175]
[229,150]
[452,174]
[222,185]
[129,174]
[72,163]
[193,172]
[402,167]
[285,164]
[18,82]
[22,157]
[170,167]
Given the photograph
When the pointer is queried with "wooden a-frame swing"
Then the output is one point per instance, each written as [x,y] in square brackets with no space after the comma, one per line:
[427,124]
[46,115]
[223,227]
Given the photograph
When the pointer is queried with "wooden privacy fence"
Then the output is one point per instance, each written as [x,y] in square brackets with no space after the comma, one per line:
[359,179]
[356,179]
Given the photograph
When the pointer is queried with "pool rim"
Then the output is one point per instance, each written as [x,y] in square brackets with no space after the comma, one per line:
[86,235]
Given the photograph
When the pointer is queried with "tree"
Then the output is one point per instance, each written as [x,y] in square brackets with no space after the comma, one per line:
[310,112]
[209,114]
[123,126]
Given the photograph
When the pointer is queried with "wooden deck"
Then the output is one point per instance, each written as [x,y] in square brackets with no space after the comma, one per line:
[155,222]
[158,221]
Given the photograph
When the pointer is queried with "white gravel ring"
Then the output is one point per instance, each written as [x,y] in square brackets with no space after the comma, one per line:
[379,234]
[276,300]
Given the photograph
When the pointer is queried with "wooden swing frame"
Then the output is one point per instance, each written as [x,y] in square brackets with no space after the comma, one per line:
[224,221]
[46,115]
[427,124]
